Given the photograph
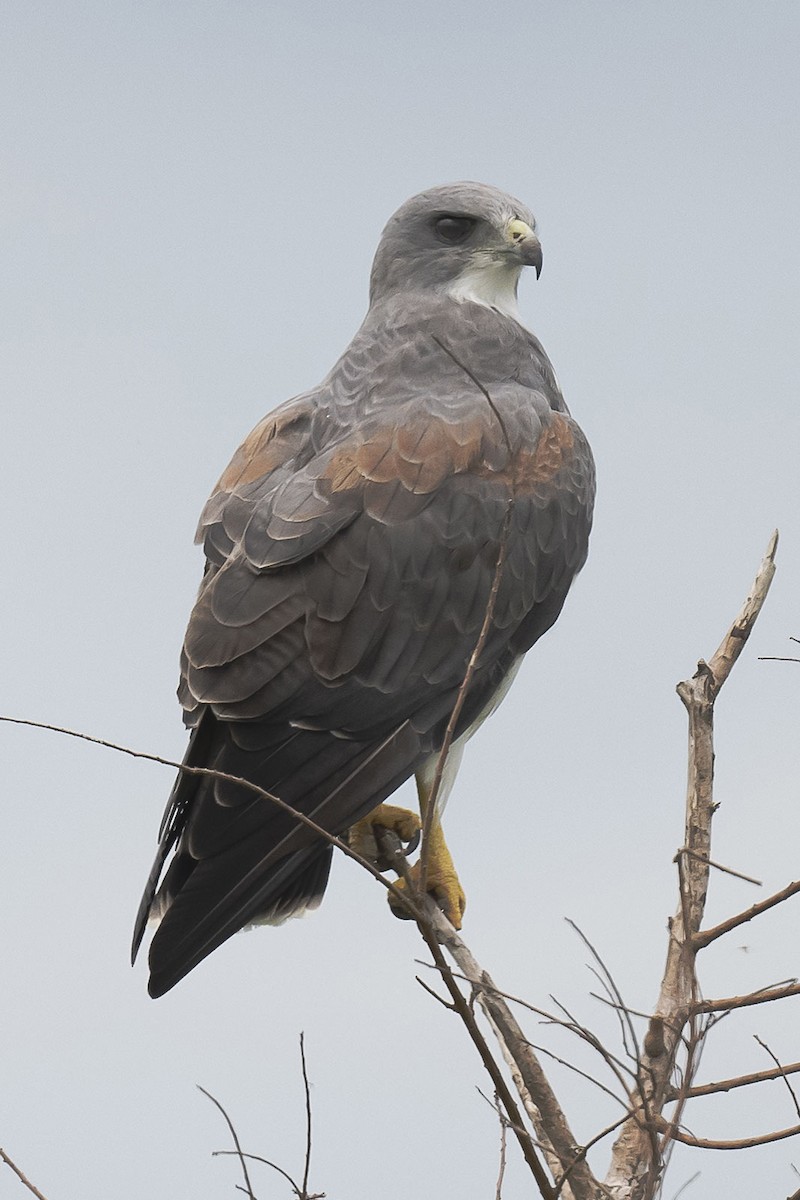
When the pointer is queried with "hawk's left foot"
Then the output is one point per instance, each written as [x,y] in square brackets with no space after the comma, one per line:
[442,882]
[442,885]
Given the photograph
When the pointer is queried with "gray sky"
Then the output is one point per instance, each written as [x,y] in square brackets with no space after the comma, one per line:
[191,197]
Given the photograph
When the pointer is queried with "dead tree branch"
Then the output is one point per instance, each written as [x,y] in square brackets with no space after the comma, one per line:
[22,1178]
[764,1139]
[705,936]
[784,1075]
[300,1190]
[539,1100]
[728,1085]
[763,996]
[434,927]
[238,1149]
[307,1090]
[636,1166]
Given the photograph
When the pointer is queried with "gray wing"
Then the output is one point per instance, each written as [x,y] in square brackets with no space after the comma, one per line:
[348,575]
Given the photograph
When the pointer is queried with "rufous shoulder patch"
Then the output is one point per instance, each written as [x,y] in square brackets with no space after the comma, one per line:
[272,443]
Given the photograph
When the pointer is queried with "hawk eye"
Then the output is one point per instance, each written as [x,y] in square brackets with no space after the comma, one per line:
[453,230]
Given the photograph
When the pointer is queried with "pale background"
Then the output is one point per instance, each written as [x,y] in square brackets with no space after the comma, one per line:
[192,194]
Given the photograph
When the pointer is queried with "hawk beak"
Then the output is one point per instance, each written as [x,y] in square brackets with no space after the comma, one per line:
[521,238]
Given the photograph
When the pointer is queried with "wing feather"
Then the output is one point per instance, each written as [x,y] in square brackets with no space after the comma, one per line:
[351,552]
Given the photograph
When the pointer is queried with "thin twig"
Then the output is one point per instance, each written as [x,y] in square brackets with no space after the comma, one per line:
[764,1139]
[307,1090]
[236,1143]
[493,1104]
[444,1003]
[399,894]
[692,1179]
[22,1178]
[719,867]
[783,1073]
[624,1015]
[267,1163]
[429,815]
[611,987]
[728,1085]
[564,1062]
[706,936]
[584,1150]
[481,388]
[616,1066]
[765,996]
[498,1191]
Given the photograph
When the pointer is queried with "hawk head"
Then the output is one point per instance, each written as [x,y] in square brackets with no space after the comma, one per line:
[465,240]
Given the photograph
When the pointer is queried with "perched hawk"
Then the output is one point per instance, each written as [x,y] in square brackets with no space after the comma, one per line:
[351,548]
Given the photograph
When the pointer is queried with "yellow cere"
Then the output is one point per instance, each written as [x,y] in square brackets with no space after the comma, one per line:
[517,230]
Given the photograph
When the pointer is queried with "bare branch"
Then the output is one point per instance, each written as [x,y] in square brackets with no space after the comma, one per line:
[22,1178]
[550,1122]
[765,996]
[783,1074]
[260,1159]
[431,922]
[571,1025]
[584,1150]
[402,896]
[444,1003]
[636,1163]
[776,658]
[764,1139]
[719,867]
[728,1085]
[248,1188]
[609,982]
[301,1193]
[692,1179]
[706,936]
[430,810]
[731,646]
[498,1191]
[307,1090]
[583,1074]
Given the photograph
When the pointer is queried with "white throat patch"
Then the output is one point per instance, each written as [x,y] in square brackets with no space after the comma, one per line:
[494,285]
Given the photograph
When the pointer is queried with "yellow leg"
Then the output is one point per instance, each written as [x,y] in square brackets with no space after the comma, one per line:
[442,882]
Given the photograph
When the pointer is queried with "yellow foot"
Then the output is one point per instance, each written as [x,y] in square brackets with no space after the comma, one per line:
[442,882]
[361,837]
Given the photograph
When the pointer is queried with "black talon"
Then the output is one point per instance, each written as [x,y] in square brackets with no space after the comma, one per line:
[413,843]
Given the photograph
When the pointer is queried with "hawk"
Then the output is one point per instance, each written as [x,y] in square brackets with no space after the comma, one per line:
[351,549]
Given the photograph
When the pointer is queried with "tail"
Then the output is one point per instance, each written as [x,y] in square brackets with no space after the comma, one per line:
[239,858]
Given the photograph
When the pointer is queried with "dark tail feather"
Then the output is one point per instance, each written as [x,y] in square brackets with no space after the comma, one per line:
[180,797]
[295,883]
[303,893]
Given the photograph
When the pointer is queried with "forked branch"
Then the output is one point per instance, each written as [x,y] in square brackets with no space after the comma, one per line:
[637,1159]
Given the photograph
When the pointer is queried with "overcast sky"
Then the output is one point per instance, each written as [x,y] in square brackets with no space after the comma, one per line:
[191,197]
